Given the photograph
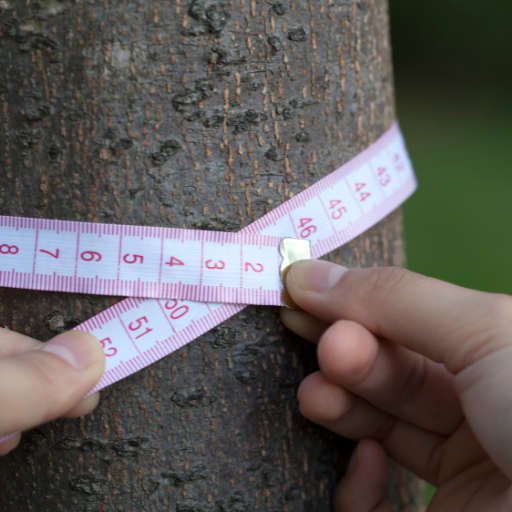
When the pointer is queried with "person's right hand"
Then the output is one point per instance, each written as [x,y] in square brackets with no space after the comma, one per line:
[416,369]
[43,381]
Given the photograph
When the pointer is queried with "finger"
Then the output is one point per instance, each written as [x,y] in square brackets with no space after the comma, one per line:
[467,331]
[390,377]
[428,455]
[40,385]
[12,343]
[332,407]
[305,325]
[85,406]
[10,444]
[362,487]
[412,310]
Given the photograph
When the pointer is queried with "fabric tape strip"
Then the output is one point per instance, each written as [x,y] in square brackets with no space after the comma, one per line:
[137,331]
[136,261]
[206,266]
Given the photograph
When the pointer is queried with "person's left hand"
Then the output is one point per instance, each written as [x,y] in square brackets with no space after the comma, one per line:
[43,381]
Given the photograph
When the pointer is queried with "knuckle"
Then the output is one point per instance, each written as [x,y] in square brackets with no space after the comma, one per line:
[45,373]
[413,382]
[500,310]
[494,321]
[384,429]
[496,324]
[341,356]
[50,381]
[483,335]
[383,279]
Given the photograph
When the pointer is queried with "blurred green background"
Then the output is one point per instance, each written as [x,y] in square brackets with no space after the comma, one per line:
[453,70]
[453,67]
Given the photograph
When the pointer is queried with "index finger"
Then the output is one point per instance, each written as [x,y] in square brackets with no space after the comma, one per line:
[446,323]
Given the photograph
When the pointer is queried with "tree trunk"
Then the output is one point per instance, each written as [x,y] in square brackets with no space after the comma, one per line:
[195,114]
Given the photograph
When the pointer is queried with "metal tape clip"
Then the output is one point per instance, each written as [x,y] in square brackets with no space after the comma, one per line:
[292,250]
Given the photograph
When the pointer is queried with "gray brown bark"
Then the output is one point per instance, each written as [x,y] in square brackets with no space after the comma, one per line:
[198,115]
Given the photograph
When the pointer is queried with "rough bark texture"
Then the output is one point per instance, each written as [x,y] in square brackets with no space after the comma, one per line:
[202,114]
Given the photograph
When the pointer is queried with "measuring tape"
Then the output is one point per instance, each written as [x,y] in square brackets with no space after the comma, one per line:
[139,261]
[198,278]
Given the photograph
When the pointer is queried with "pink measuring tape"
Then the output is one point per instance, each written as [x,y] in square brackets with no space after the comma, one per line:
[199,278]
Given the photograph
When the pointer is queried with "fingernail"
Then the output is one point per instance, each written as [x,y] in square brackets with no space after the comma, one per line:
[352,465]
[314,275]
[74,347]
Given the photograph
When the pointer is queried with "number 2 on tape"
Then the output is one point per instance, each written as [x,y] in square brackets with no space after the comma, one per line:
[250,266]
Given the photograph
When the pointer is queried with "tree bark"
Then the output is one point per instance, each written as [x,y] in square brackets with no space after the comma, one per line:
[202,115]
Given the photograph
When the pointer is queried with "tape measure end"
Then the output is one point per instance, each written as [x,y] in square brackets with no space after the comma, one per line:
[288,302]
[292,250]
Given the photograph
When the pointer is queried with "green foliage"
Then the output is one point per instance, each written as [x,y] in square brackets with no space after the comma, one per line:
[429,494]
[459,224]
[465,41]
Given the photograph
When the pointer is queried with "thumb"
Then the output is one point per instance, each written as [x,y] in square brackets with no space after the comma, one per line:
[446,323]
[43,384]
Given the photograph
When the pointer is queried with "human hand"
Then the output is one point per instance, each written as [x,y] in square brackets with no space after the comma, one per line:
[414,368]
[43,381]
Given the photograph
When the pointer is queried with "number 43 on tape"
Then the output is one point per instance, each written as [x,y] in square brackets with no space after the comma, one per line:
[199,278]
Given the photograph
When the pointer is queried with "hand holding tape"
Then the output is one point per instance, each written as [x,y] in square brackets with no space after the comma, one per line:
[181,267]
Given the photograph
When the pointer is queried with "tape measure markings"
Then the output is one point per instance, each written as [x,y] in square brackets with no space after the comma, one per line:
[71,248]
[210,271]
[389,144]
[147,322]
[196,318]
